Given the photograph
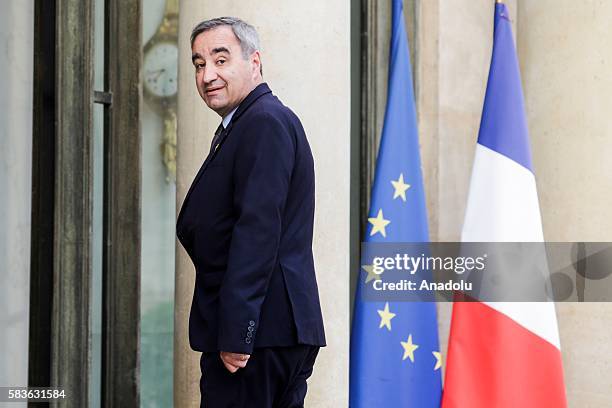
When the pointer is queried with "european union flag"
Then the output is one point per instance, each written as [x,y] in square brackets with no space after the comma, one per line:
[395,355]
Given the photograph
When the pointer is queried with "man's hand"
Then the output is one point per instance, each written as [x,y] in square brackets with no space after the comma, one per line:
[234,361]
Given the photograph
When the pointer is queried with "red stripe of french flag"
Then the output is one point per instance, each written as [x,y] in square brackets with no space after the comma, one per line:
[493,361]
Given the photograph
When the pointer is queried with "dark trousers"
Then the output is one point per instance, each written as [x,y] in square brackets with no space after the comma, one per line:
[274,377]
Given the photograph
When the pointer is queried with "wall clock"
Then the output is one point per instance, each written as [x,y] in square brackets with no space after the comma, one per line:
[160,74]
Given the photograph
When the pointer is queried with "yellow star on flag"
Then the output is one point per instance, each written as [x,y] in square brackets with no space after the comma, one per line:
[409,348]
[438,357]
[385,317]
[371,275]
[400,187]
[378,224]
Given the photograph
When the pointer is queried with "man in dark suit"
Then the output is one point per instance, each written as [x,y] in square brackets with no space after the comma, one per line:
[247,224]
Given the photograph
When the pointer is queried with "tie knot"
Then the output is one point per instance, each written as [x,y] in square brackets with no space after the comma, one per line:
[219,129]
[217,137]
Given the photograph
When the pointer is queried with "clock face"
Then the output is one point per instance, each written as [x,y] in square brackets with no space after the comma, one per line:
[160,69]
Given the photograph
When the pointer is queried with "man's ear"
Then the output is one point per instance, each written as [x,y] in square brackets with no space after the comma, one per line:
[256,63]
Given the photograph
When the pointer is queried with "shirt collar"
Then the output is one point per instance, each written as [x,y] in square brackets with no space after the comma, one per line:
[228,118]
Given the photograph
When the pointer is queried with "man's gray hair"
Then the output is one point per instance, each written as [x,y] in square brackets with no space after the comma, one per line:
[244,32]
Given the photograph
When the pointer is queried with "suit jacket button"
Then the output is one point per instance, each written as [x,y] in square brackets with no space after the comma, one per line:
[247,340]
[251,323]
[249,335]
[250,328]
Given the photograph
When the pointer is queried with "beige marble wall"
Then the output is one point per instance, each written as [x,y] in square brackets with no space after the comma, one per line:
[566,63]
[305,55]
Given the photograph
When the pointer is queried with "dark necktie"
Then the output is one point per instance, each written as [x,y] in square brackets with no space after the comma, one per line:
[217,137]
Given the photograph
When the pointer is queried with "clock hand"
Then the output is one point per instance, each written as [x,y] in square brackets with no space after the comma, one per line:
[157,73]
[161,71]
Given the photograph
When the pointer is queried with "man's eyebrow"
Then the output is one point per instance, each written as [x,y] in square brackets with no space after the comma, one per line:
[195,56]
[220,49]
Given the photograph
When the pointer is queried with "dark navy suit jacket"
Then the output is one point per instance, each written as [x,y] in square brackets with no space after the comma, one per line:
[247,224]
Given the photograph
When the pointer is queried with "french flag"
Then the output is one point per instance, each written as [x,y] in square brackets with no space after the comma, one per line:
[503,354]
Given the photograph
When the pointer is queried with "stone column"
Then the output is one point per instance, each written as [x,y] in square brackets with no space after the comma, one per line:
[306,62]
[195,126]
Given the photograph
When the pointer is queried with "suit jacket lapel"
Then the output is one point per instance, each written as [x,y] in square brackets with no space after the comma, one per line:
[208,159]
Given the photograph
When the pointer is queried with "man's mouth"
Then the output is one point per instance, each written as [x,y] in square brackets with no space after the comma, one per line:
[213,91]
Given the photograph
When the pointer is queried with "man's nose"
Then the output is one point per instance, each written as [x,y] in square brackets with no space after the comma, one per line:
[210,74]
